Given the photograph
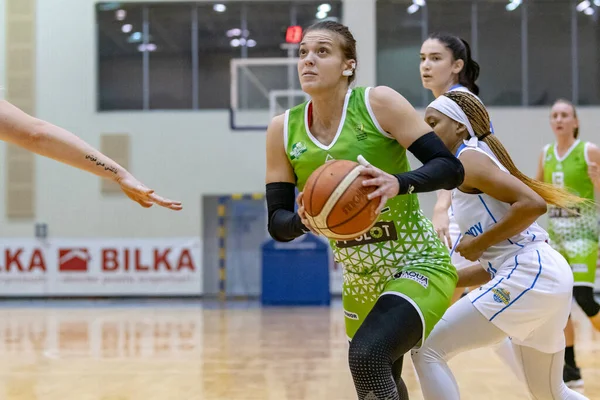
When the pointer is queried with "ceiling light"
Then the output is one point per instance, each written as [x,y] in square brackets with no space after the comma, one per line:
[324,7]
[321,15]
[120,15]
[219,7]
[413,8]
[583,5]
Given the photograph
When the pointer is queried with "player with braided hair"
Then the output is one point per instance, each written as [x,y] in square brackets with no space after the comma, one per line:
[447,65]
[526,285]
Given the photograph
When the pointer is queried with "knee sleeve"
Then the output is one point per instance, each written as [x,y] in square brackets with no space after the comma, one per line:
[584,295]
[391,329]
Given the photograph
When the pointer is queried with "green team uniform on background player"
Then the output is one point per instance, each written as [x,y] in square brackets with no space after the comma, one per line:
[401,253]
[575,237]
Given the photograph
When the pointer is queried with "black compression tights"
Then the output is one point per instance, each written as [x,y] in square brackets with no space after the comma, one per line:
[392,328]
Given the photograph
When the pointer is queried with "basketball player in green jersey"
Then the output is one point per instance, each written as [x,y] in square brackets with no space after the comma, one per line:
[398,278]
[573,164]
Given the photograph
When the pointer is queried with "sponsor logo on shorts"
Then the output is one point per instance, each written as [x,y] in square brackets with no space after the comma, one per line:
[501,295]
[414,276]
[350,315]
[382,231]
[579,267]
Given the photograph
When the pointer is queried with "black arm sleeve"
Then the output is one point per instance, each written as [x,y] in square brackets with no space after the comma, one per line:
[440,169]
[284,224]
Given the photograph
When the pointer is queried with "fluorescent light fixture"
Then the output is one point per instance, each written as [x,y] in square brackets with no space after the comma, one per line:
[583,5]
[325,7]
[413,8]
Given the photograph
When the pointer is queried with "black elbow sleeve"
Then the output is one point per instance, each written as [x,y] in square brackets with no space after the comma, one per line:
[283,223]
[440,169]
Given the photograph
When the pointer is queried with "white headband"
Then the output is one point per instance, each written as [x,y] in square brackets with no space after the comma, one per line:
[452,110]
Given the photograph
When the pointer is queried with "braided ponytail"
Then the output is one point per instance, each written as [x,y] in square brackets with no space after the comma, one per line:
[480,121]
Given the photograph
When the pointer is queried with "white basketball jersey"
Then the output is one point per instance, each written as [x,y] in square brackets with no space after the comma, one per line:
[476,213]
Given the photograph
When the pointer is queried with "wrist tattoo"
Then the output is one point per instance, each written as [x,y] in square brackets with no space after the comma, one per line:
[94,159]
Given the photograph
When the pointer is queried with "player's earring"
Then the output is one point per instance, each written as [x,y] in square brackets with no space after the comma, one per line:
[349,72]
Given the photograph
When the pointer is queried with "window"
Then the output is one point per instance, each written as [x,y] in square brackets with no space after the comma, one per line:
[399,39]
[549,51]
[120,69]
[169,50]
[525,50]
[499,54]
[215,43]
[588,56]
[169,55]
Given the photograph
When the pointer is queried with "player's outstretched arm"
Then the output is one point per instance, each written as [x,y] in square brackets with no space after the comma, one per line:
[284,224]
[440,169]
[48,140]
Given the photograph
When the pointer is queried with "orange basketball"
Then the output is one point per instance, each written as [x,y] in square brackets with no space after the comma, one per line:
[335,201]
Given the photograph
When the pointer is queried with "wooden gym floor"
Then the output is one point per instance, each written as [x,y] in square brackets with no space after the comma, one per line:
[205,351]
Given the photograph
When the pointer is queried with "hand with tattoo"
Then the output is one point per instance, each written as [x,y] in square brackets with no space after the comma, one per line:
[146,197]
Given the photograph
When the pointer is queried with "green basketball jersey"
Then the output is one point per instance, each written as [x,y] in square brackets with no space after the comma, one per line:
[570,172]
[402,235]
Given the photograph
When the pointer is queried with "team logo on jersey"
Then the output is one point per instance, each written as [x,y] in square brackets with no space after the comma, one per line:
[413,276]
[297,150]
[351,315]
[501,295]
[360,132]
[329,157]
[382,231]
[558,179]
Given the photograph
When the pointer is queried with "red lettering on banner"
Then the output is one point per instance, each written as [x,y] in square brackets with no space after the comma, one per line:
[126,259]
[138,263]
[161,259]
[109,260]
[185,261]
[115,260]
[12,260]
[37,261]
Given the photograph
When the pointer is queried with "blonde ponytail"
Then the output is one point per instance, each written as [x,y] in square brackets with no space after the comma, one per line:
[480,121]
[551,194]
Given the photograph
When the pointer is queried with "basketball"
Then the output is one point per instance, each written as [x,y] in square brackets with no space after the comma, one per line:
[336,203]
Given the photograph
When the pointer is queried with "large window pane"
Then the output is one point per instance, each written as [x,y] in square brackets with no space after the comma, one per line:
[588,48]
[266,23]
[216,31]
[453,17]
[398,45]
[169,47]
[120,66]
[499,53]
[550,58]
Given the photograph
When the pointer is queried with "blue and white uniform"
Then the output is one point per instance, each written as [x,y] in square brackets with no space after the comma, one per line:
[529,296]
[458,261]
